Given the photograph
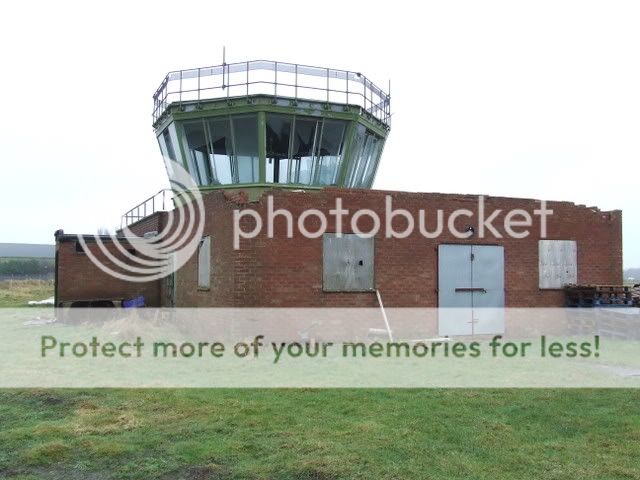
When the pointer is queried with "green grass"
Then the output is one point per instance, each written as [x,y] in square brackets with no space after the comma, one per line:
[314,434]
[320,434]
[16,293]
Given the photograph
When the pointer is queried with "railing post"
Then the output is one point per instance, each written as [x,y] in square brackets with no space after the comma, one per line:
[180,94]
[275,81]
[364,84]
[347,91]
[247,81]
[296,82]
[198,86]
[327,85]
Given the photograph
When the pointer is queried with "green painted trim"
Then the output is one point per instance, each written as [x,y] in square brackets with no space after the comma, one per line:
[270,186]
[248,109]
[263,102]
[373,127]
[346,153]
[181,136]
[162,123]
[262,146]
[378,160]
[252,109]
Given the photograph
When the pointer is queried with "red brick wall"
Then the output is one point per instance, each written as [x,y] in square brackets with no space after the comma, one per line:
[218,225]
[79,279]
[153,223]
[285,272]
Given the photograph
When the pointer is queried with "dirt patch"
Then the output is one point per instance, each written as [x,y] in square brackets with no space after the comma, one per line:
[311,474]
[211,471]
[47,453]
[40,398]
[61,473]
[94,420]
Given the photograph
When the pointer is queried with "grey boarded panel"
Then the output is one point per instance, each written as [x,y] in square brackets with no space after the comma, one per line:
[348,263]
[454,271]
[488,274]
[204,263]
[557,263]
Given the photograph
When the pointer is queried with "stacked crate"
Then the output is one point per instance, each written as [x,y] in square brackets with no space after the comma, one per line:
[599,296]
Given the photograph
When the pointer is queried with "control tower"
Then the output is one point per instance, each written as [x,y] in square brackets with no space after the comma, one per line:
[259,136]
[262,124]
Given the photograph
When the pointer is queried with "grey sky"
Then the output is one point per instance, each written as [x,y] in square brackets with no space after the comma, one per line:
[527,99]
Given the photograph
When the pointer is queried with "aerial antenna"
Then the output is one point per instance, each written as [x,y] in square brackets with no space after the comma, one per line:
[224,64]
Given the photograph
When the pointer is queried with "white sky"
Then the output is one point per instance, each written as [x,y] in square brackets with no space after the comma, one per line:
[527,99]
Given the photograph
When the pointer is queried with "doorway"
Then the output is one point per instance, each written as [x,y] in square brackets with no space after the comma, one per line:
[470,290]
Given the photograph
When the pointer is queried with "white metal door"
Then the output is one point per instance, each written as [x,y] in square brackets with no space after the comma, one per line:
[470,289]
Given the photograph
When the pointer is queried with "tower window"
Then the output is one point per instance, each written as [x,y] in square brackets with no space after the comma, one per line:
[304,150]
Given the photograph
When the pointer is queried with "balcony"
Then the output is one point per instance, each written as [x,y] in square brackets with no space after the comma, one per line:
[277,79]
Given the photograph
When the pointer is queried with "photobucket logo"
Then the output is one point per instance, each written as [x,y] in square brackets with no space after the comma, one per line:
[517,223]
[133,258]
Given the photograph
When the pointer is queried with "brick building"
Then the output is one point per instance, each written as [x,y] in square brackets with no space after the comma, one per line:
[288,272]
[305,153]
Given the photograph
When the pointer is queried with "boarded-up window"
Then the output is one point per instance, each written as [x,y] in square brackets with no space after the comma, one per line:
[204,263]
[347,263]
[558,263]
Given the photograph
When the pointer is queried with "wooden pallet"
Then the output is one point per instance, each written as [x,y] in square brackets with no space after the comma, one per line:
[589,296]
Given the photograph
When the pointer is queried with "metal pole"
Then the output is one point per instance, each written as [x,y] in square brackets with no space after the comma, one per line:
[384,316]
[388,103]
[365,93]
[347,78]
[327,85]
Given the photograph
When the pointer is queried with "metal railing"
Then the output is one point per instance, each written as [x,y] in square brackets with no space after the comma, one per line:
[160,202]
[279,79]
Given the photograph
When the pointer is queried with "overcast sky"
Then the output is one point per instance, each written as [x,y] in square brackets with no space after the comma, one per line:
[526,99]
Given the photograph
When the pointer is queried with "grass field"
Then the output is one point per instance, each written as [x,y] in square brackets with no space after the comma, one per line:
[16,293]
[314,434]
[320,434]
